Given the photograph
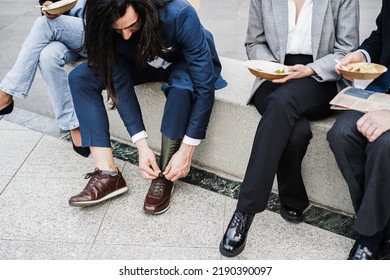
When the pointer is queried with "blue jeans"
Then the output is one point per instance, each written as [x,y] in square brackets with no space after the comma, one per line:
[50,44]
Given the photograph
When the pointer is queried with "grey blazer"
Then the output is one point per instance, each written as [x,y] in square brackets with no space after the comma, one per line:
[335,32]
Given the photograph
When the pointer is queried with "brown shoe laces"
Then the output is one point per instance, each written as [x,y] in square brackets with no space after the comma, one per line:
[157,188]
[93,179]
[90,174]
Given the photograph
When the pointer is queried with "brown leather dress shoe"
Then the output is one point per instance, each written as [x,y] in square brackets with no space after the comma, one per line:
[101,186]
[158,198]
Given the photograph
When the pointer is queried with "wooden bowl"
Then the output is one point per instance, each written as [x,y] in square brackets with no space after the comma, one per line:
[60,7]
[267,69]
[361,71]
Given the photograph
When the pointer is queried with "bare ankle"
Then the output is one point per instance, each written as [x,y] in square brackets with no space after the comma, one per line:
[76,136]
[5,98]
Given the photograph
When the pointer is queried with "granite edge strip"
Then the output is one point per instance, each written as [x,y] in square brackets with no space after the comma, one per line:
[316,216]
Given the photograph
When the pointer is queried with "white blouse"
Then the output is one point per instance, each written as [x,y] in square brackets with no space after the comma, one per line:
[299,34]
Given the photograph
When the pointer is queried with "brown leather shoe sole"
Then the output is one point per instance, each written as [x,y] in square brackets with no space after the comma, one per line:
[97,201]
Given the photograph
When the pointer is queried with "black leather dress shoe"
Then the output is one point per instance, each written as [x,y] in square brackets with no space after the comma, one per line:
[290,214]
[385,251]
[360,252]
[234,239]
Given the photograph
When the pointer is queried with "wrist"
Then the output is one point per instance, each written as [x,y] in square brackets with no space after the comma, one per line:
[187,149]
[141,143]
[309,71]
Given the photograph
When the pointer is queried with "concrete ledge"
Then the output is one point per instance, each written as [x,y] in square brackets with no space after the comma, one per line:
[230,134]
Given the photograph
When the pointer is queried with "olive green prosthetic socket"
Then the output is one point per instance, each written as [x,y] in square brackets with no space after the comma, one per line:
[168,148]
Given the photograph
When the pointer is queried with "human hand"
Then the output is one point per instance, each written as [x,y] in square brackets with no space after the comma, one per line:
[356,56]
[47,3]
[180,163]
[298,71]
[373,124]
[147,160]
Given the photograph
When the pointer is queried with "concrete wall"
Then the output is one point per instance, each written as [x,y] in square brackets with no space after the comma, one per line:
[230,135]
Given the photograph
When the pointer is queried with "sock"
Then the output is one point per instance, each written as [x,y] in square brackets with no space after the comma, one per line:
[111,173]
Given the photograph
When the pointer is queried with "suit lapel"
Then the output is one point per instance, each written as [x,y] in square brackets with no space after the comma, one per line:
[319,10]
[281,23]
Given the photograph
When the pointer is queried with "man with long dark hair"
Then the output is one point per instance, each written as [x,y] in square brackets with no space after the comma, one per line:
[131,42]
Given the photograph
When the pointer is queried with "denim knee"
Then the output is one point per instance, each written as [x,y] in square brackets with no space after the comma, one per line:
[52,56]
[40,23]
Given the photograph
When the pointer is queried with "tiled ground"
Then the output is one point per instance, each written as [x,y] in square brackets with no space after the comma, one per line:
[40,172]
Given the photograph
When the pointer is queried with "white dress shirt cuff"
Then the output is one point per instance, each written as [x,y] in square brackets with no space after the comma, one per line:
[191,141]
[140,135]
[366,54]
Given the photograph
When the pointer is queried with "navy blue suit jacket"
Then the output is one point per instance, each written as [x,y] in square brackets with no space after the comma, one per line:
[378,43]
[192,48]
[195,63]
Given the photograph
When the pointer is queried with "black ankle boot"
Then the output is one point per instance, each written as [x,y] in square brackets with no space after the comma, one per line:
[234,239]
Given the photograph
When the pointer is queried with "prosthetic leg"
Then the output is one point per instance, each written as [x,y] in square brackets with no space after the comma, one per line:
[168,148]
[158,198]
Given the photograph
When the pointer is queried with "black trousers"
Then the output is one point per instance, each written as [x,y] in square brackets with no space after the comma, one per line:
[282,138]
[365,166]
